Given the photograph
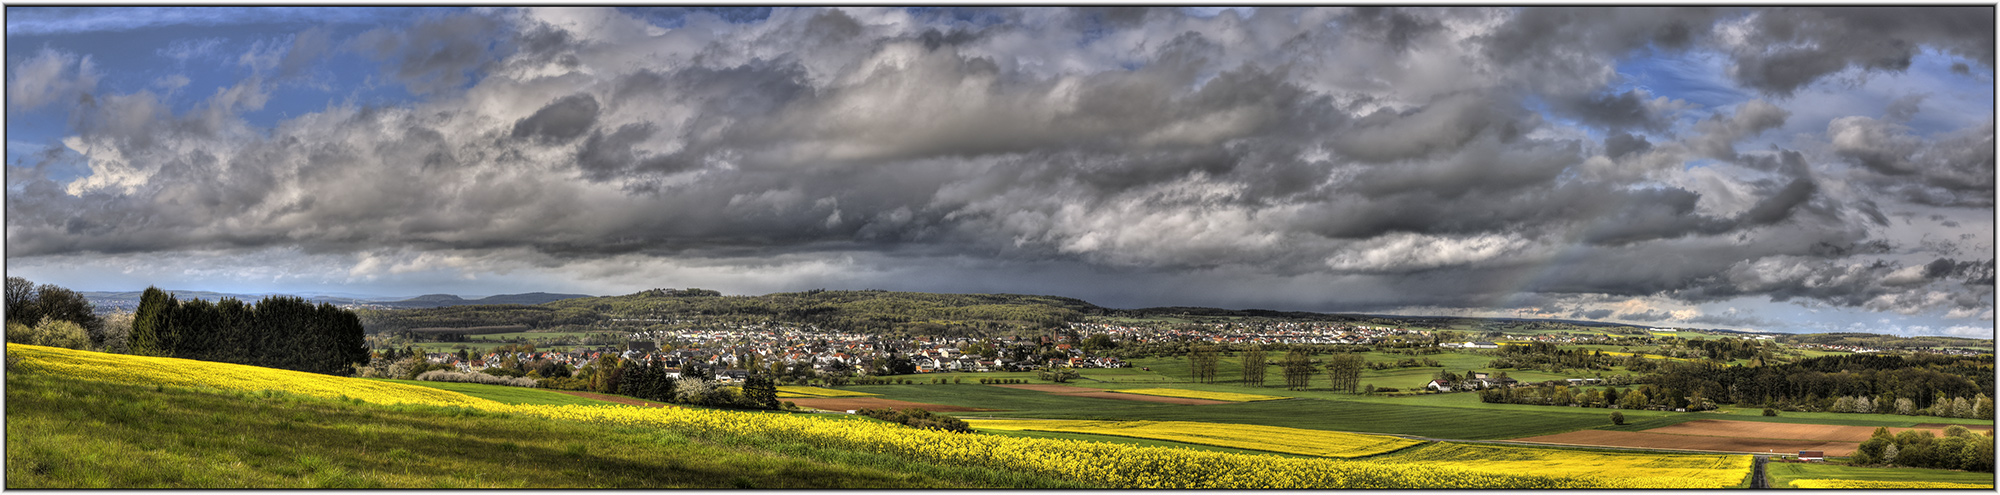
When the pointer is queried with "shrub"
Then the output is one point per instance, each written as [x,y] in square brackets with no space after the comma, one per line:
[453,376]
[919,418]
[1617,418]
[1770,412]
[52,333]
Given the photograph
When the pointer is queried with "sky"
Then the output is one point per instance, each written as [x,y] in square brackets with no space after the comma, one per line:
[1772,169]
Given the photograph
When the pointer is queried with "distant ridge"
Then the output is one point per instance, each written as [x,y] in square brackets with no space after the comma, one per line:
[106,302]
[441,300]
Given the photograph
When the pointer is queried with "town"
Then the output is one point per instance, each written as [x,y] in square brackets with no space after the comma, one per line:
[731,349]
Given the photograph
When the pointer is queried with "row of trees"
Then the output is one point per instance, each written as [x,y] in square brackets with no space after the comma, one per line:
[1343,369]
[277,332]
[1922,379]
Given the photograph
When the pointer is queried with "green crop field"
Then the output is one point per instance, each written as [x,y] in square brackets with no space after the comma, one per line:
[506,394]
[985,397]
[1355,416]
[1781,474]
[71,433]
[1141,442]
[536,335]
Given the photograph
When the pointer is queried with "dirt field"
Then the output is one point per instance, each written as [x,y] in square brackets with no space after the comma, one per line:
[1753,429]
[1648,439]
[856,403]
[1054,389]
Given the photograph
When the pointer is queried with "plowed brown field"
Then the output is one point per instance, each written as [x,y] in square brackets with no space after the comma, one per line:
[1647,439]
[847,403]
[1754,429]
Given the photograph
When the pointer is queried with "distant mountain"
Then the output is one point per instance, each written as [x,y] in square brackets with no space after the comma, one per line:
[442,300]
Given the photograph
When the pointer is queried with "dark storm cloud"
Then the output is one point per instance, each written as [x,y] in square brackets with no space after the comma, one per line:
[1626,110]
[1646,316]
[1789,48]
[560,121]
[437,53]
[1955,169]
[1142,143]
[1395,27]
[1621,144]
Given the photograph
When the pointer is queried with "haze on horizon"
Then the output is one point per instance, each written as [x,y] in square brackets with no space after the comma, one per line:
[1784,169]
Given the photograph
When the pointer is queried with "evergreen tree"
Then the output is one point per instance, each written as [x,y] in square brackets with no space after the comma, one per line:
[150,324]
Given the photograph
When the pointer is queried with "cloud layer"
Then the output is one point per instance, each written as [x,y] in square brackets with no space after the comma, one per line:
[1324,158]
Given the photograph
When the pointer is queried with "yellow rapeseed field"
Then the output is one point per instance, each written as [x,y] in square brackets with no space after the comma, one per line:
[1884,485]
[1199,394]
[799,391]
[1640,469]
[191,373]
[1253,437]
[1112,465]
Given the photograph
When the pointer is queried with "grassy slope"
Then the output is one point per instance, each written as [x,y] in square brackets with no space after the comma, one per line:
[505,394]
[1142,442]
[1781,474]
[1355,416]
[68,433]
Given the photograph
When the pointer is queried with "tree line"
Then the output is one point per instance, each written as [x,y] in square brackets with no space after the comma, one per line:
[276,332]
[1343,370]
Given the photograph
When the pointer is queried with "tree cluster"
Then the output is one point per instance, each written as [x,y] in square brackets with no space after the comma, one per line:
[277,332]
[32,305]
[1960,448]
[1253,366]
[1298,369]
[919,418]
[1343,371]
[1202,364]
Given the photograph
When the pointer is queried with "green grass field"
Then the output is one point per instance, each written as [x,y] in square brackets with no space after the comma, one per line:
[1141,442]
[69,433]
[506,394]
[1352,416]
[1781,474]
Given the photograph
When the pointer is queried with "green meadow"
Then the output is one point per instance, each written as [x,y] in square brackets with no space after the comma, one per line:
[68,433]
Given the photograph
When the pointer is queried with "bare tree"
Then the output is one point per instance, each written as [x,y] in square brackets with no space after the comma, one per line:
[1253,366]
[1344,371]
[1203,363]
[1298,369]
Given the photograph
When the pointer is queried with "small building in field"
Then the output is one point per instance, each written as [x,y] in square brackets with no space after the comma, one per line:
[1439,385]
[1812,456]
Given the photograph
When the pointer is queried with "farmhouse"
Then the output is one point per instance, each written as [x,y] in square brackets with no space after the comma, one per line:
[1439,385]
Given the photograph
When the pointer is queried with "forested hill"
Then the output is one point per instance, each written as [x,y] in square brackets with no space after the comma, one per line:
[872,311]
[1887,341]
[440,300]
